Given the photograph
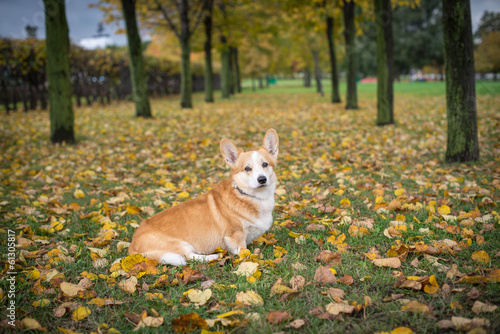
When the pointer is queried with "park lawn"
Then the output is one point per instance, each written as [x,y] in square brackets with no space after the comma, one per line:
[369,90]
[345,185]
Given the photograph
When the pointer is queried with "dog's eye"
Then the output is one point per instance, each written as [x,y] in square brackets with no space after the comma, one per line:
[265,164]
[248,169]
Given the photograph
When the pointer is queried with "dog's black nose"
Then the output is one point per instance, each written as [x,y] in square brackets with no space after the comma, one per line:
[262,179]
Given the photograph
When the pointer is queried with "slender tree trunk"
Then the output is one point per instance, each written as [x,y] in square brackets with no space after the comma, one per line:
[349,34]
[6,96]
[137,72]
[207,22]
[253,83]
[236,70]
[385,62]
[225,69]
[261,85]
[333,60]
[57,42]
[186,79]
[317,72]
[307,77]
[232,86]
[462,143]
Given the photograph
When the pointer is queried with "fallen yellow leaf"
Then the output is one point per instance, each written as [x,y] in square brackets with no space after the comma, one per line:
[481,256]
[80,313]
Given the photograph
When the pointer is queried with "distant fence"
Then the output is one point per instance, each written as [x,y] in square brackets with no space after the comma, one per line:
[97,76]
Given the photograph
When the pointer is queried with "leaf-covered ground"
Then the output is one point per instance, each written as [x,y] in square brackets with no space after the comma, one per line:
[372,232]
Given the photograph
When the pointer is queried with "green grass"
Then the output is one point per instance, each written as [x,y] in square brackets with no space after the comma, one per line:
[323,149]
[423,89]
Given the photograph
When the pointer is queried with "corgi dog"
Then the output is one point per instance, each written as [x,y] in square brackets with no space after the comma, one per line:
[231,215]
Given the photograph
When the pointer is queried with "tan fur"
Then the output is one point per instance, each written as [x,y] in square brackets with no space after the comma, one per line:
[221,217]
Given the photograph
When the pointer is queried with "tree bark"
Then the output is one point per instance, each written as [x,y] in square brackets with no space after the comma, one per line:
[349,34]
[137,72]
[307,77]
[462,136]
[232,86]
[333,60]
[207,22]
[225,69]
[236,70]
[57,43]
[385,62]
[317,72]
[186,79]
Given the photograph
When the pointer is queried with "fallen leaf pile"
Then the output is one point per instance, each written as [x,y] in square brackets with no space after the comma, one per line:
[372,231]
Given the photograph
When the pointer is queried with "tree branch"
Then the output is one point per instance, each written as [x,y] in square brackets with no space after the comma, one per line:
[167,18]
[199,16]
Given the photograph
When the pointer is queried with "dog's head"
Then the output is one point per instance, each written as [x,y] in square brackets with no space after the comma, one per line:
[252,170]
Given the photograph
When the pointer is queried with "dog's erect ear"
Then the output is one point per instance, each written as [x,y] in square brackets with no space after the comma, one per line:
[229,151]
[271,142]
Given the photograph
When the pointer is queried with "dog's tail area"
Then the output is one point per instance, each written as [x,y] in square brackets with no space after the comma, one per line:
[177,253]
[179,260]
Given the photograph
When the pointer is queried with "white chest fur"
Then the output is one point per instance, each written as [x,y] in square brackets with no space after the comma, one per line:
[262,223]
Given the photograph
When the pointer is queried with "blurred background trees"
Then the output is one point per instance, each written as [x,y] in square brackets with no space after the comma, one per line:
[204,45]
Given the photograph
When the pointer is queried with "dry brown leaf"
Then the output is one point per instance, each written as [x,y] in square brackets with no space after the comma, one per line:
[346,279]
[336,308]
[336,293]
[324,275]
[278,317]
[315,227]
[297,282]
[327,256]
[465,324]
[152,322]
[70,289]
[392,262]
[297,323]
[479,307]
[128,285]
[187,323]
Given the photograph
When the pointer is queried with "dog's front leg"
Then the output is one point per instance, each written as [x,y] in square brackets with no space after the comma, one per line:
[235,242]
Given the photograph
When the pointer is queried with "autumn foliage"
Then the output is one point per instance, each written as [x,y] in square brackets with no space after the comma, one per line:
[372,231]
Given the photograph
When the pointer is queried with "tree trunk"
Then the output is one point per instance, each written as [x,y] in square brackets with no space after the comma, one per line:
[349,34]
[385,62]
[57,43]
[307,77]
[317,72]
[462,143]
[225,69]
[232,86]
[261,85]
[186,79]
[236,70]
[137,72]
[207,22]
[333,60]
[6,96]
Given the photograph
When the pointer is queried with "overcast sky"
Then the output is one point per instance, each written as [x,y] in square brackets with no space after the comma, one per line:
[83,21]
